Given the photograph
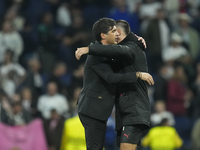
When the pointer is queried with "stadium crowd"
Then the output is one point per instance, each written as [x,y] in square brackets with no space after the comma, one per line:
[40,79]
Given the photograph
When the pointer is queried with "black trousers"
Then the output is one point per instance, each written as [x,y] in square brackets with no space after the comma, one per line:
[95,131]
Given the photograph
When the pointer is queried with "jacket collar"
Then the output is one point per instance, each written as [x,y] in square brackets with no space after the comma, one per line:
[98,42]
[132,37]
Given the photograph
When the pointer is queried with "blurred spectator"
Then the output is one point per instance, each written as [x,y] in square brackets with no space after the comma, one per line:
[196,20]
[26,99]
[194,4]
[34,79]
[73,101]
[66,54]
[184,6]
[149,8]
[178,93]
[78,74]
[157,38]
[147,12]
[10,39]
[77,35]
[4,108]
[8,83]
[195,104]
[5,102]
[18,115]
[162,137]
[12,74]
[99,9]
[189,35]
[165,72]
[175,50]
[16,98]
[197,79]
[19,4]
[53,128]
[188,63]
[13,16]
[77,3]
[61,76]
[29,103]
[2,8]
[194,110]
[133,6]
[195,135]
[31,44]
[171,8]
[48,41]
[52,100]
[73,135]
[64,15]
[54,4]
[3,114]
[120,11]
[161,113]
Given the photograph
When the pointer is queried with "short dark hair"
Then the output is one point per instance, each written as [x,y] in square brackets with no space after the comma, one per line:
[124,25]
[103,25]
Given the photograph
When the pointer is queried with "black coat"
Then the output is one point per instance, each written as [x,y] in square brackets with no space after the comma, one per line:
[54,136]
[97,97]
[133,106]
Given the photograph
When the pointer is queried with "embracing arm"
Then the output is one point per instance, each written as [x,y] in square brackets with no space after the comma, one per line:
[105,71]
[111,51]
[122,52]
[107,51]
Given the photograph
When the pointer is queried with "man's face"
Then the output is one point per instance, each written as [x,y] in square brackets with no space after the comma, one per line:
[52,88]
[7,27]
[119,39]
[111,36]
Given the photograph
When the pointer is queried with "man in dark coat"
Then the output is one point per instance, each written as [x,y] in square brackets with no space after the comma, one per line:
[133,106]
[97,97]
[53,129]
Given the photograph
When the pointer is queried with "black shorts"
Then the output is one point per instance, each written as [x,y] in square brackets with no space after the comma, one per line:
[133,134]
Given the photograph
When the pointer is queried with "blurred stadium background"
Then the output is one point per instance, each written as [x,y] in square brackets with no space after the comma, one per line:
[40,79]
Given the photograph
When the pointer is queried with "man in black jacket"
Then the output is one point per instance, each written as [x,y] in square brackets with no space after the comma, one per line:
[97,97]
[133,107]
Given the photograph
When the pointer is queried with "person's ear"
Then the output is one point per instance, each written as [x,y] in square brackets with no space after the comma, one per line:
[103,36]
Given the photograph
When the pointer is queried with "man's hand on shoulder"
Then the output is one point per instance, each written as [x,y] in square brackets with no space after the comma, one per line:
[142,40]
[146,77]
[81,51]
